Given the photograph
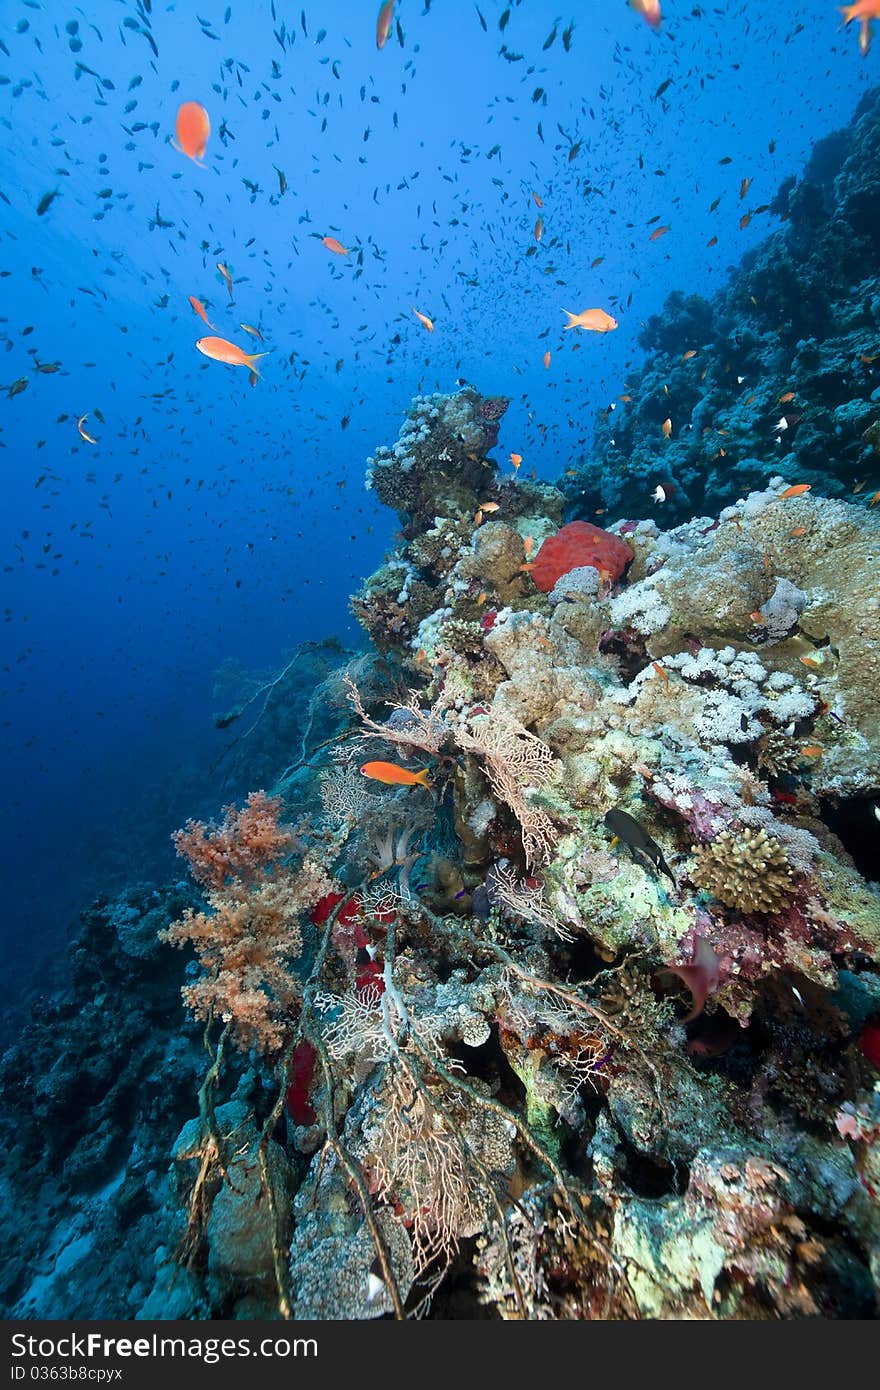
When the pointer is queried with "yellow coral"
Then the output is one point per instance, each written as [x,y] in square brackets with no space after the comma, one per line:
[748,870]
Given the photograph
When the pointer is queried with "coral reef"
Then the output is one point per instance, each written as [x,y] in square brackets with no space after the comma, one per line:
[581,1021]
[585,1027]
[614,959]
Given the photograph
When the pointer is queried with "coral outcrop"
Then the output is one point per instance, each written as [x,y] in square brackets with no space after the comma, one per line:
[618,960]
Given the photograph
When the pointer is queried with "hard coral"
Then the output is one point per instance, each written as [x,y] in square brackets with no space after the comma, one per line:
[579,544]
[748,870]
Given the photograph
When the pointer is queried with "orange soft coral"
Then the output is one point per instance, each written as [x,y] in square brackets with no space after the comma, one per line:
[243,846]
[249,935]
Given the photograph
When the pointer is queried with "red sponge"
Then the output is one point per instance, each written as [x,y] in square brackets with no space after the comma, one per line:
[579,543]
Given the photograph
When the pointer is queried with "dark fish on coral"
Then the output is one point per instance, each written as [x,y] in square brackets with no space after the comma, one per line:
[634,835]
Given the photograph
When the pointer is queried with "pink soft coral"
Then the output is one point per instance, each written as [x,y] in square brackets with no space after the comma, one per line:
[250,933]
[242,846]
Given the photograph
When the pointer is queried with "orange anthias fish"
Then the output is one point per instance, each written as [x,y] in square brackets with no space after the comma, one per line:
[539,229]
[516,460]
[649,10]
[335,246]
[199,308]
[595,320]
[219,350]
[864,11]
[667,428]
[423,318]
[658,232]
[394,776]
[546,360]
[538,202]
[192,129]
[384,23]
[796,490]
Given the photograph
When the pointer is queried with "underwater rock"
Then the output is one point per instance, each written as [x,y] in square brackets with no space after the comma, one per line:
[93,1092]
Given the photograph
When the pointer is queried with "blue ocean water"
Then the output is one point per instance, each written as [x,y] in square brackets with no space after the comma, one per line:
[212,520]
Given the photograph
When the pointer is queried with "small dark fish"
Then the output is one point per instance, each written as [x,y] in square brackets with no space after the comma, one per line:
[635,837]
[46,201]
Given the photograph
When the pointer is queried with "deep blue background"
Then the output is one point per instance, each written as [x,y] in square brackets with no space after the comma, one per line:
[213,520]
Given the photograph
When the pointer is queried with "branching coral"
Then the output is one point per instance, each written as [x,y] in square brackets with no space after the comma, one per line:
[748,870]
[418,1163]
[777,753]
[525,899]
[408,726]
[344,794]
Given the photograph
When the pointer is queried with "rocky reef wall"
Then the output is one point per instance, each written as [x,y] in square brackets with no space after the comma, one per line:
[779,372]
